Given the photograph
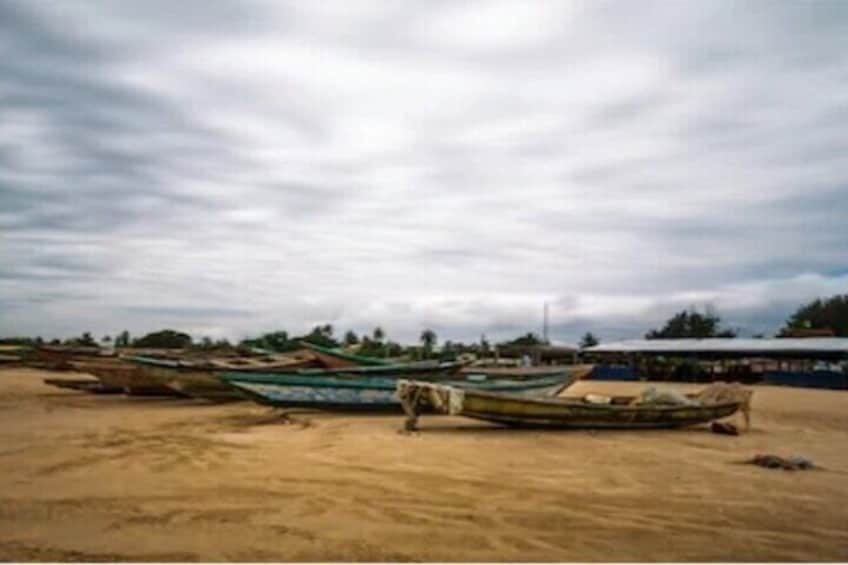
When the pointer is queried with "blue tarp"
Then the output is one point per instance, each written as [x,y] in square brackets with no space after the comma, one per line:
[811,379]
[613,373]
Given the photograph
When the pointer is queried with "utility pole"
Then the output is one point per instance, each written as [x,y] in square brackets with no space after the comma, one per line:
[545,324]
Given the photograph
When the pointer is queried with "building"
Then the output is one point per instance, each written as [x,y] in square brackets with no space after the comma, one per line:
[814,361]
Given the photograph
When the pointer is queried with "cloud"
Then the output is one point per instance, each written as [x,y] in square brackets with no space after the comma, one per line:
[251,166]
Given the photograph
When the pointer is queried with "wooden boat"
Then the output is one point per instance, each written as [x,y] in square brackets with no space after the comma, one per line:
[334,358]
[61,357]
[603,412]
[197,378]
[84,385]
[374,389]
[7,360]
[579,371]
[133,380]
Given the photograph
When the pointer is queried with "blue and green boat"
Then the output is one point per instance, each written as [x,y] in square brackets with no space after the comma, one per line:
[373,388]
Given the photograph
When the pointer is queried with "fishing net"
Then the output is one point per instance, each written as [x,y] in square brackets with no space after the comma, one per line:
[664,397]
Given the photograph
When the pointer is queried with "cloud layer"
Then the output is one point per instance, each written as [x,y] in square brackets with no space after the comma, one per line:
[235,167]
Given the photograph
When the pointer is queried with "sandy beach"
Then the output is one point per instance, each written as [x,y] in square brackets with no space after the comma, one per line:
[99,478]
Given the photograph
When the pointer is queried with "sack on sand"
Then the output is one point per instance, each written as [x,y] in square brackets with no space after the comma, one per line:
[669,397]
[793,463]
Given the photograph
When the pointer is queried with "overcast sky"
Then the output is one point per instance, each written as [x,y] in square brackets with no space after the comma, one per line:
[228,168]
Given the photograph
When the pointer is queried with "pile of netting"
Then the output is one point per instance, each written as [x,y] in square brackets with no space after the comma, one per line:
[793,463]
[716,393]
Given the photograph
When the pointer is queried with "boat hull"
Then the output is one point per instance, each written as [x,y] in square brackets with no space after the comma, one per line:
[132,379]
[186,380]
[366,393]
[556,412]
[84,385]
[204,385]
[336,359]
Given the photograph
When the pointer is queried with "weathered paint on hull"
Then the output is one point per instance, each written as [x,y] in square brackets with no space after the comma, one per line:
[567,413]
[370,394]
[113,375]
[579,419]
[306,396]
[132,380]
[142,382]
[195,384]
[202,389]
[83,385]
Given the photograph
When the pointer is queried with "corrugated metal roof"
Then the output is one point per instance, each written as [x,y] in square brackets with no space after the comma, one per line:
[725,345]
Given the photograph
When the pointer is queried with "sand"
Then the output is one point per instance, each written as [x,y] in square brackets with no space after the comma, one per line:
[101,478]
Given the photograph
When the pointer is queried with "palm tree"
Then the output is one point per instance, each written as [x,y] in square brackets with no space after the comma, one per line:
[379,334]
[589,340]
[428,340]
[350,338]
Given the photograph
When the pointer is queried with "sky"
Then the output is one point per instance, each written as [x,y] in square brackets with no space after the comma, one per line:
[230,168]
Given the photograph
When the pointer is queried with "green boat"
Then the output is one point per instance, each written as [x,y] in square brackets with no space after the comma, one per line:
[591,411]
[335,358]
[373,388]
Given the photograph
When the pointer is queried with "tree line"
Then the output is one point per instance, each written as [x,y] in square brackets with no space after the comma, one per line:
[829,315]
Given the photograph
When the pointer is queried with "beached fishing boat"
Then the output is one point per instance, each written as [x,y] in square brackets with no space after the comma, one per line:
[592,411]
[60,357]
[579,371]
[84,385]
[335,358]
[196,378]
[375,389]
[132,379]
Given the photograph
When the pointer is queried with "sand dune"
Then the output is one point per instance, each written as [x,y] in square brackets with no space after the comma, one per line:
[102,478]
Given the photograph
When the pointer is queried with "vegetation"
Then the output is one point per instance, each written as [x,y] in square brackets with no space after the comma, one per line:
[350,338]
[829,314]
[208,344]
[164,339]
[320,335]
[588,340]
[21,341]
[274,341]
[428,341]
[84,340]
[525,340]
[691,323]
[820,314]
[375,345]
[280,341]
[123,339]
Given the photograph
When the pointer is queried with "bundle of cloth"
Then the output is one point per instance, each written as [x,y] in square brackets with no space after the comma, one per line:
[653,396]
[793,463]
[716,393]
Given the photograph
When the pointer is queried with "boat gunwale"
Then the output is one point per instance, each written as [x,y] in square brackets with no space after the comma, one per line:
[280,369]
[363,360]
[390,383]
[551,422]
